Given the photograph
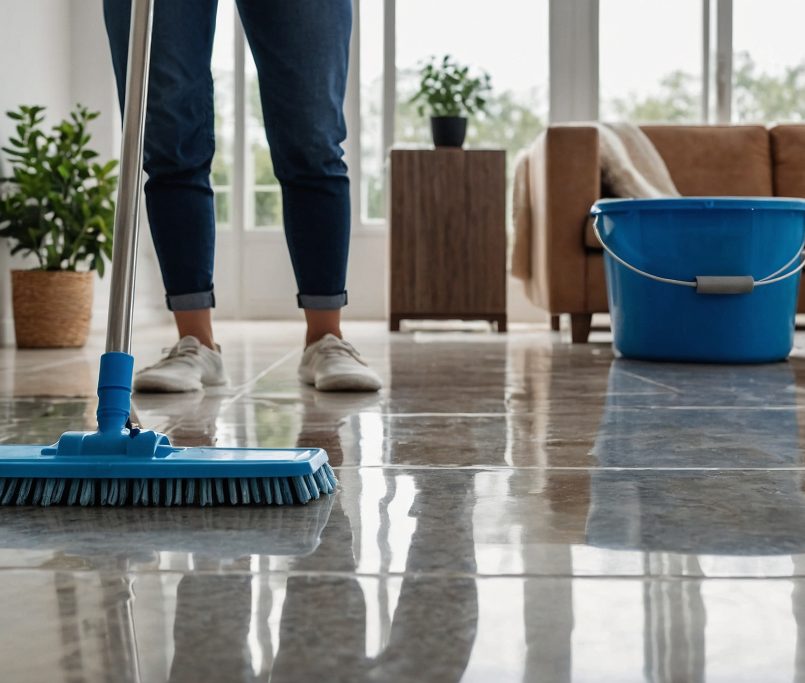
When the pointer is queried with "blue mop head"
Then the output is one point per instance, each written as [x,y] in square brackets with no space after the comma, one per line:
[119,465]
[31,476]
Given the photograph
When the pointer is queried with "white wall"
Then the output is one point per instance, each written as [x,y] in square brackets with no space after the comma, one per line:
[54,53]
[34,56]
[34,69]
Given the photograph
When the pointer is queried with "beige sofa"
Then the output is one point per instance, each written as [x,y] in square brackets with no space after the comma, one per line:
[566,261]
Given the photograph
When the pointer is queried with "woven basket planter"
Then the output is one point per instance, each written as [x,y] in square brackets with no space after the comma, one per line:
[52,309]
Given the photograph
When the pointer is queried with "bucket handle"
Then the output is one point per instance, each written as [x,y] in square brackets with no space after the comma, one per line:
[711,284]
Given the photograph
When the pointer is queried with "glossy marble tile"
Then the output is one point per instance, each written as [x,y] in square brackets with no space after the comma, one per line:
[511,508]
[245,627]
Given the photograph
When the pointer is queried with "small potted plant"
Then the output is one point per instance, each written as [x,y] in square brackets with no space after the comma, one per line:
[449,93]
[57,206]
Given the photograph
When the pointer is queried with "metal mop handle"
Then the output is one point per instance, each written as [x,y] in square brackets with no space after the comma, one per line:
[127,212]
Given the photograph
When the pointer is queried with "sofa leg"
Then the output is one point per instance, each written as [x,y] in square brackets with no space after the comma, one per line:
[580,324]
[555,323]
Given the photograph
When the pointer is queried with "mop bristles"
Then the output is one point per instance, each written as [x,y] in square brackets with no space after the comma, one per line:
[169,492]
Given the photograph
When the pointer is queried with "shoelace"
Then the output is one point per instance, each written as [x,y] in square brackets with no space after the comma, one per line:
[341,348]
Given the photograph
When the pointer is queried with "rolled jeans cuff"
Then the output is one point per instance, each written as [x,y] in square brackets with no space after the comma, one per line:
[190,302]
[318,302]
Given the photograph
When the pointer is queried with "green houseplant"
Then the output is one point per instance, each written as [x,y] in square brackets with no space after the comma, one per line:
[449,93]
[57,207]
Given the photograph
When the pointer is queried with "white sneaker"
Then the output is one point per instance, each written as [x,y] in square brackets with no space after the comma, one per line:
[331,364]
[189,366]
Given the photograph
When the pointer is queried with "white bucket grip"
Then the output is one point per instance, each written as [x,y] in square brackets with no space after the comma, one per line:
[715,284]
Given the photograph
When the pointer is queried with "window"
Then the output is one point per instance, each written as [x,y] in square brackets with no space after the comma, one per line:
[507,38]
[768,82]
[260,188]
[263,199]
[650,60]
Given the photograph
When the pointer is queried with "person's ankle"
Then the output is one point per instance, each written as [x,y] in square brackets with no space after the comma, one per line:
[312,336]
[321,323]
[196,323]
[204,340]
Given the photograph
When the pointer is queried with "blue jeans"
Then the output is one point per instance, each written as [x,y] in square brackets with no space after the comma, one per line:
[301,49]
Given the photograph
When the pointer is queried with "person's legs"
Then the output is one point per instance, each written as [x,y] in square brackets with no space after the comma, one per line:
[179,146]
[301,50]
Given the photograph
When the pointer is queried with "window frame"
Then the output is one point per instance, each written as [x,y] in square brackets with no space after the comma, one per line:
[723,61]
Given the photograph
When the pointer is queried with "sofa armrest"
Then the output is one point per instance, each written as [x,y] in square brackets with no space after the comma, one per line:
[566,182]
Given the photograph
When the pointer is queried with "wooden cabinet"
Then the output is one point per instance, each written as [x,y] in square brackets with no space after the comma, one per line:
[447,213]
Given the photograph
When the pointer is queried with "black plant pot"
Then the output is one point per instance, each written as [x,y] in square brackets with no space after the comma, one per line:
[448,131]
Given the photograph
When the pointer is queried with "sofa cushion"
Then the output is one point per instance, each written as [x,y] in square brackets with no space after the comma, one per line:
[716,160]
[788,157]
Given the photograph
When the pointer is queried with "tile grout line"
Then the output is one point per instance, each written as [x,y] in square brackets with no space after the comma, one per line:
[630,409]
[242,389]
[448,575]
[38,368]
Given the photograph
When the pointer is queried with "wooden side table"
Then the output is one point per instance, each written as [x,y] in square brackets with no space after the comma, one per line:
[448,235]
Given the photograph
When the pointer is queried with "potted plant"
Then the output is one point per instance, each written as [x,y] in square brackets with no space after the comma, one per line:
[449,93]
[57,206]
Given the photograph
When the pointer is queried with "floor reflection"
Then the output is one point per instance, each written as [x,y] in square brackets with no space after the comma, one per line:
[222,624]
[211,630]
[681,515]
[664,415]
[686,509]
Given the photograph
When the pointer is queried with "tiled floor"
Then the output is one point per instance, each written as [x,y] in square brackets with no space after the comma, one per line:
[511,508]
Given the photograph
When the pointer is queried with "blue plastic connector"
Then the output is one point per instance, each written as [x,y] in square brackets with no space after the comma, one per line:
[114,407]
[114,391]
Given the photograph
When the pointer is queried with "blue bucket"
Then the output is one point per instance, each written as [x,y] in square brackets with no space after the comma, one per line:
[709,280]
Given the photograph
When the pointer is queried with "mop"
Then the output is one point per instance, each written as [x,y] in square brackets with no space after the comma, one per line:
[120,464]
